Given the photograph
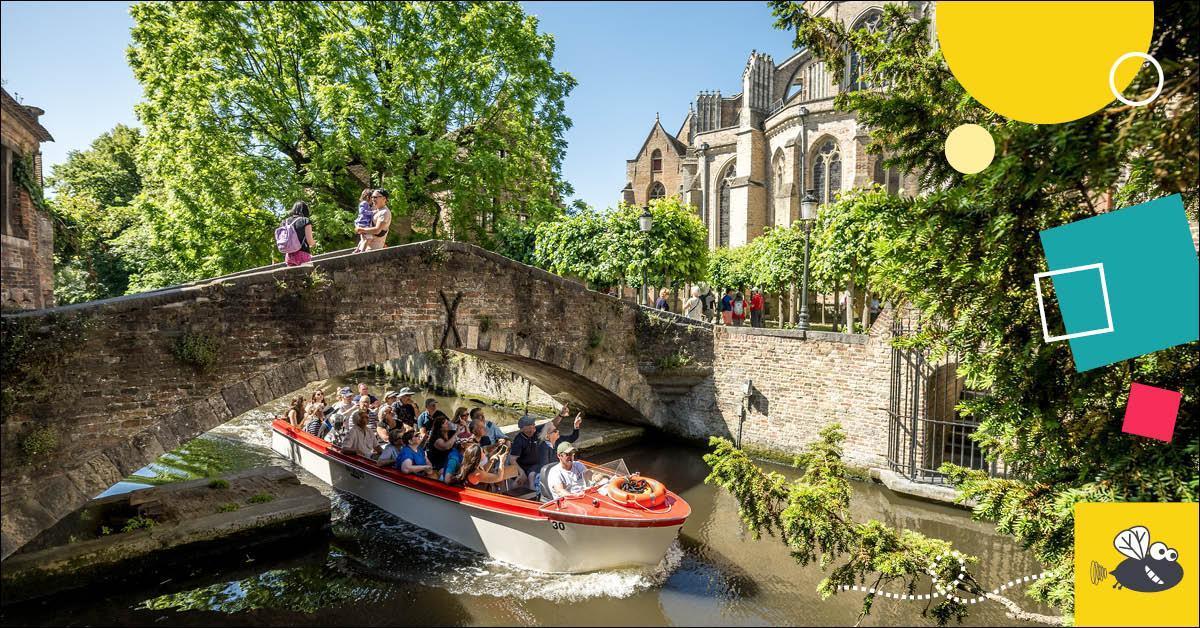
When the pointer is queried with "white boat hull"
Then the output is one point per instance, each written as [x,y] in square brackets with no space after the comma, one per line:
[536,543]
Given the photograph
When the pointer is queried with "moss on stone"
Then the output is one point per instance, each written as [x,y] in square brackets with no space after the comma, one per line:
[39,442]
[200,351]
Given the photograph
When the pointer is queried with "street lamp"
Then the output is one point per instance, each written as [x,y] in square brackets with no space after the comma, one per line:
[808,213]
[645,222]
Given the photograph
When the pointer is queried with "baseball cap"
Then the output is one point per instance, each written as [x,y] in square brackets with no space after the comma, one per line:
[526,421]
[565,448]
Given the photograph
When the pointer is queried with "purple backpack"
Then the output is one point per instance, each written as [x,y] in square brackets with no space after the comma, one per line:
[285,237]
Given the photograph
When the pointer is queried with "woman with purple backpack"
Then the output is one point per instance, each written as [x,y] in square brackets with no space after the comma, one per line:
[294,237]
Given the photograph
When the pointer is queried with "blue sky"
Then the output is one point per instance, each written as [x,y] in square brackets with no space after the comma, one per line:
[631,60]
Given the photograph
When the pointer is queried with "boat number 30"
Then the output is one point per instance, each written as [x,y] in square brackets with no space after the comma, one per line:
[558,525]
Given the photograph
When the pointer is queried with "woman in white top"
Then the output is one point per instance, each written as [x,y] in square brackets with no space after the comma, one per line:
[694,307]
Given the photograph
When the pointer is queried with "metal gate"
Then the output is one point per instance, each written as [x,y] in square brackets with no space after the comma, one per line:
[925,429]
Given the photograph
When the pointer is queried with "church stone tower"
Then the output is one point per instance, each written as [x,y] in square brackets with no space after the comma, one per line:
[748,193]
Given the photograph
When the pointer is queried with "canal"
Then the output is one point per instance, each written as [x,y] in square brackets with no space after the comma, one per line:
[379,570]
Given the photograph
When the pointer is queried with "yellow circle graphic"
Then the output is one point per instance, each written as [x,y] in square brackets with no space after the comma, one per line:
[970,148]
[1043,62]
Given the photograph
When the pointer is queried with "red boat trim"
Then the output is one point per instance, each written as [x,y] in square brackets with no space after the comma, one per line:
[465,495]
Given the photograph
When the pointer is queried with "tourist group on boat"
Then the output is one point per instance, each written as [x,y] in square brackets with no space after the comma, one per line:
[463,449]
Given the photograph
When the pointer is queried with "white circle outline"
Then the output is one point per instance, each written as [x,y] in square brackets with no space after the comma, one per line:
[1112,79]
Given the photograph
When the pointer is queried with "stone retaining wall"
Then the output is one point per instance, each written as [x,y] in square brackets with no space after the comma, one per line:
[467,376]
[801,382]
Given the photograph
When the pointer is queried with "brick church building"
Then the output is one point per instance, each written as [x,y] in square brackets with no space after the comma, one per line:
[26,233]
[744,161]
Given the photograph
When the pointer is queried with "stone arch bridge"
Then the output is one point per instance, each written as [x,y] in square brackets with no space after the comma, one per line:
[95,391]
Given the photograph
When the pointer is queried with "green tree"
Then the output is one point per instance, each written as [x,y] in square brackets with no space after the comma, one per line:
[965,254]
[93,193]
[453,106]
[728,268]
[606,248]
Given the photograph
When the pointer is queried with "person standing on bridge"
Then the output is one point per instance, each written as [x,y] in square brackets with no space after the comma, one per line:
[662,303]
[300,223]
[694,307]
[756,307]
[376,234]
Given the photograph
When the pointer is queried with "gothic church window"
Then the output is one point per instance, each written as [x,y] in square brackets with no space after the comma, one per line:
[656,161]
[854,69]
[657,190]
[723,206]
[827,171]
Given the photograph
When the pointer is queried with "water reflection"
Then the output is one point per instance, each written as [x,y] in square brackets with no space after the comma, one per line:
[380,570]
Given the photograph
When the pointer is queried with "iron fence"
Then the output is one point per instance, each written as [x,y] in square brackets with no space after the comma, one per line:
[925,426]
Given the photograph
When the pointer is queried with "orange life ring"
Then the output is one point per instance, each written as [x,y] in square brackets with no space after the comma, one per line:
[654,496]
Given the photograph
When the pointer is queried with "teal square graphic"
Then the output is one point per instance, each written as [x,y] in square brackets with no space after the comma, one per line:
[1085,310]
[1152,275]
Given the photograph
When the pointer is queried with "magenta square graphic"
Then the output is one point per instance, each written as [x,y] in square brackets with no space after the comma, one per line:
[1151,412]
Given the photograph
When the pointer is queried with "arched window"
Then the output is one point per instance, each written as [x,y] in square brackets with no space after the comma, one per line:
[827,171]
[657,190]
[723,206]
[656,161]
[889,178]
[854,69]
[779,169]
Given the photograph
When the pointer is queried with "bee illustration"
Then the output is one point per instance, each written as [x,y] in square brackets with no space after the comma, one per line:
[1148,568]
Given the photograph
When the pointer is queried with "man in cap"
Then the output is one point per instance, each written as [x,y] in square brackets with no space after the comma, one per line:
[341,410]
[525,449]
[406,410]
[566,477]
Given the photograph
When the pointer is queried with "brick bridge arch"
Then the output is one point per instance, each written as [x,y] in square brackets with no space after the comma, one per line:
[108,379]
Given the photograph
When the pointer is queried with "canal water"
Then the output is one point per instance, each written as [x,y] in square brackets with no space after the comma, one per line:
[379,570]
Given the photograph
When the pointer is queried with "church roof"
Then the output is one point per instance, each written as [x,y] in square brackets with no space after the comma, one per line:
[680,147]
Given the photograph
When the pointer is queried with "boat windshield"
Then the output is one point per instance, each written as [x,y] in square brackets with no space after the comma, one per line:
[608,470]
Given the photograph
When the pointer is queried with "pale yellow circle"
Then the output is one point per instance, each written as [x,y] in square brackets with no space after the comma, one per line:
[970,148]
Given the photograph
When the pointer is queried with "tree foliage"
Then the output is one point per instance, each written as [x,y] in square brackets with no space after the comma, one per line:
[846,235]
[249,106]
[811,516]
[604,248]
[94,192]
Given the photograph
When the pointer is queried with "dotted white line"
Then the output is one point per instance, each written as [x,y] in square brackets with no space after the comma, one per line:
[944,592]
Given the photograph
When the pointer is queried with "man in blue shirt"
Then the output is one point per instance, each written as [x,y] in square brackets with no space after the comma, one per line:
[426,417]
[494,434]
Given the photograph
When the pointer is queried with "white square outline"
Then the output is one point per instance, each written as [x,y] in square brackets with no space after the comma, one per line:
[1037,285]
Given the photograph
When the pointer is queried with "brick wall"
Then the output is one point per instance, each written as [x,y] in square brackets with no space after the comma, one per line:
[27,253]
[800,384]
[640,175]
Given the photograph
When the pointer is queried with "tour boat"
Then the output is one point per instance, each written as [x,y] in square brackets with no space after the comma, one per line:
[579,533]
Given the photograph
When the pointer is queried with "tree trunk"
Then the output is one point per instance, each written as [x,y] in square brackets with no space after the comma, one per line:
[779,314]
[866,308]
[792,302]
[849,302]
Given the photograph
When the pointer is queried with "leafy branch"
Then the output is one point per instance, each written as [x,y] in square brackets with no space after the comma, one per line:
[811,517]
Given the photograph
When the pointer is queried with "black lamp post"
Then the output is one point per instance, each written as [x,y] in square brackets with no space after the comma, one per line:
[645,223]
[808,213]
